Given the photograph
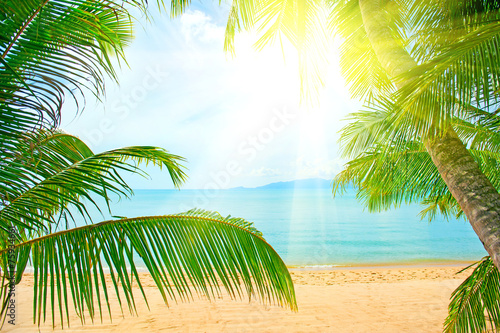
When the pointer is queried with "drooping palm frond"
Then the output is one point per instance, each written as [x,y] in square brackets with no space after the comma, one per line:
[58,170]
[241,18]
[435,24]
[49,49]
[443,205]
[469,13]
[196,252]
[475,304]
[463,73]
[358,62]
[480,130]
[44,151]
[387,178]
[300,22]
[177,7]
[429,31]
[379,122]
[383,121]
[303,24]
[389,169]
[359,136]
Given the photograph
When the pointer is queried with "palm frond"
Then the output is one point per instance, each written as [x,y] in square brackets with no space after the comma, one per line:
[59,170]
[443,205]
[386,177]
[53,48]
[475,304]
[194,252]
[380,122]
[389,164]
[241,18]
[177,7]
[301,22]
[358,62]
[480,131]
[470,13]
[464,73]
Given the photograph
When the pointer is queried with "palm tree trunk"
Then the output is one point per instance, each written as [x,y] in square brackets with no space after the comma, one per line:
[477,197]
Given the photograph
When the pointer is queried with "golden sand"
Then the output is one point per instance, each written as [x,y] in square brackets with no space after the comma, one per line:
[365,299]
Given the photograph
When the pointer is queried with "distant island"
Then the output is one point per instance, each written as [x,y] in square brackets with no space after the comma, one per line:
[299,183]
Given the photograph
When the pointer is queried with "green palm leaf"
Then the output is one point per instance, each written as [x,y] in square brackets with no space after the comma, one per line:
[387,178]
[460,63]
[58,170]
[247,11]
[194,252]
[389,169]
[358,62]
[475,304]
[304,25]
[52,48]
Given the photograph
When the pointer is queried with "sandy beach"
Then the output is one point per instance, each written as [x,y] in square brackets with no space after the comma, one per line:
[362,299]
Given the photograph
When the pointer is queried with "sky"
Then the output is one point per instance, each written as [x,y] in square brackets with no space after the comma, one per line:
[237,120]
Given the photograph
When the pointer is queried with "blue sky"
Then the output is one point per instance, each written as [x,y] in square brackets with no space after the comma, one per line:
[237,121]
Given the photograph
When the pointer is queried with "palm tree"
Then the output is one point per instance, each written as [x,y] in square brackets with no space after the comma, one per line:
[56,48]
[434,58]
[431,111]
[389,175]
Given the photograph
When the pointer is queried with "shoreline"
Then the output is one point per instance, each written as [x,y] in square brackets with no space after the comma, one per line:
[385,265]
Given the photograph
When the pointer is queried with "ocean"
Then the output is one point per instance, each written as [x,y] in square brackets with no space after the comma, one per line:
[310,228]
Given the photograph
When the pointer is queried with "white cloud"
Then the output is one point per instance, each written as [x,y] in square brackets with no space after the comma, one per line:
[196,25]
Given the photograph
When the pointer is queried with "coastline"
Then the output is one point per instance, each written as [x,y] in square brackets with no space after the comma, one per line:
[380,298]
[386,265]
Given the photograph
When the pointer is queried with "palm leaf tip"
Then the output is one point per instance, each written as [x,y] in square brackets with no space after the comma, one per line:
[475,304]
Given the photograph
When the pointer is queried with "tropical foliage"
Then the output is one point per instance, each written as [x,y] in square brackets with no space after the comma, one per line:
[51,49]
[388,173]
[195,250]
[456,81]
[478,295]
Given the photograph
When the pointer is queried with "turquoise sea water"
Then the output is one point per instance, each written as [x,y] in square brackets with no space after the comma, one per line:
[308,227]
